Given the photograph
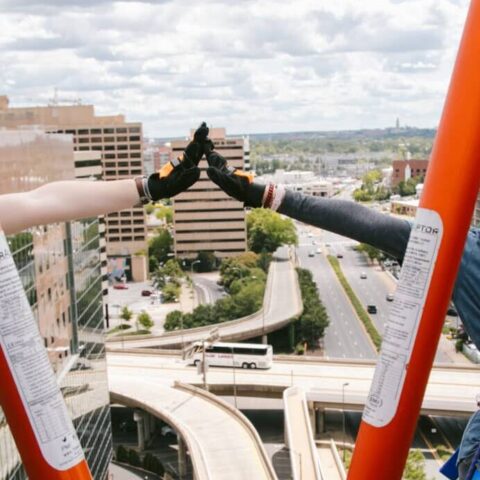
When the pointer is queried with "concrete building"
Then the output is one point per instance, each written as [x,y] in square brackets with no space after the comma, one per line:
[120,145]
[205,218]
[405,169]
[404,207]
[61,273]
[155,156]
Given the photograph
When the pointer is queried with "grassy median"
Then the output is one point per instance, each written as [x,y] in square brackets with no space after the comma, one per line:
[357,305]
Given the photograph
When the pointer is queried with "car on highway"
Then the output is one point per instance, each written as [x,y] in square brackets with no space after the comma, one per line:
[363,275]
[311,253]
[339,255]
[389,297]
[371,308]
[319,250]
[120,286]
[146,293]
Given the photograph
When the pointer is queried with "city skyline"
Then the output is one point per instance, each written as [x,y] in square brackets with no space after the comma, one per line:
[256,67]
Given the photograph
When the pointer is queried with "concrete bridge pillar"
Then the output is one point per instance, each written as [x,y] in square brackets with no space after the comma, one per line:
[265,339]
[146,426]
[320,420]
[153,424]
[311,416]
[182,458]
[138,418]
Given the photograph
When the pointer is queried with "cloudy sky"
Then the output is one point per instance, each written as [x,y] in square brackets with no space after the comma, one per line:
[250,65]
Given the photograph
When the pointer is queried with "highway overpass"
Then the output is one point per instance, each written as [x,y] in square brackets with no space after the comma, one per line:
[451,389]
[221,441]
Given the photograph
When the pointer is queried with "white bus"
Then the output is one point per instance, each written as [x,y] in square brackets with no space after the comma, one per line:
[244,355]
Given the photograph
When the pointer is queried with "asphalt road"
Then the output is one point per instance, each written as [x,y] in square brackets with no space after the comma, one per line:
[345,336]
[208,292]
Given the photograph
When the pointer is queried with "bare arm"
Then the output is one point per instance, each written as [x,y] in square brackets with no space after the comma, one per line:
[64,201]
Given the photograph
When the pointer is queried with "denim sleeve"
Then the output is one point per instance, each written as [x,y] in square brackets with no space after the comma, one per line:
[471,437]
[351,220]
[466,293]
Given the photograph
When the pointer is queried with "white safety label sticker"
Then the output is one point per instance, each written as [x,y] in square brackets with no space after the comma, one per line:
[27,358]
[404,319]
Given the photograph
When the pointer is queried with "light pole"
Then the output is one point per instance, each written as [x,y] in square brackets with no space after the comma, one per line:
[191,272]
[212,337]
[343,418]
[234,379]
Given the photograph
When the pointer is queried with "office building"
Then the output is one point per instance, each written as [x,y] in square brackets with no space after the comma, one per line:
[405,169]
[205,218]
[120,145]
[60,269]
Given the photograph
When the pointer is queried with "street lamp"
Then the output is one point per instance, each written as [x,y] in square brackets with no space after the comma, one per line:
[234,379]
[212,337]
[343,418]
[191,272]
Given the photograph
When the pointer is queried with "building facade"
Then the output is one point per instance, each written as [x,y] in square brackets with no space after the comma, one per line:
[120,145]
[405,169]
[206,218]
[60,269]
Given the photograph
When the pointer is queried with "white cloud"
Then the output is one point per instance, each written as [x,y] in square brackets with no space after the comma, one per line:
[249,65]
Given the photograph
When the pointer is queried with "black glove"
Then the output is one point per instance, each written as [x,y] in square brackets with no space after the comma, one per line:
[196,148]
[179,174]
[234,182]
[174,177]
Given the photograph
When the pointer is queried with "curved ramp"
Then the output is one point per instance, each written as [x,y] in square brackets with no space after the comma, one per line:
[221,441]
[282,302]
[303,452]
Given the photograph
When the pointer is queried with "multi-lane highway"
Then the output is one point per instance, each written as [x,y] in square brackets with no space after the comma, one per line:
[372,290]
[345,336]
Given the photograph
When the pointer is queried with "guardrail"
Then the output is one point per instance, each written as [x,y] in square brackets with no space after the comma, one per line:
[303,451]
[242,419]
[338,460]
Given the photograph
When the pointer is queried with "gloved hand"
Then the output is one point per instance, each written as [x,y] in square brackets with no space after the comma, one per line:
[196,148]
[178,174]
[233,181]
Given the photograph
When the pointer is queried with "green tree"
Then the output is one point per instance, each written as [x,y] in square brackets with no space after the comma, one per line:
[237,267]
[173,269]
[314,318]
[145,320]
[208,262]
[133,458]
[415,466]
[126,314]
[149,208]
[267,230]
[164,213]
[122,454]
[171,292]
[160,246]
[372,252]
[173,320]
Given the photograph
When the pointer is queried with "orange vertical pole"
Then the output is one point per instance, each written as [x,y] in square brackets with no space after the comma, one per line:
[29,394]
[428,274]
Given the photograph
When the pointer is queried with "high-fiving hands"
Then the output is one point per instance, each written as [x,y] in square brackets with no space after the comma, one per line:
[179,174]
